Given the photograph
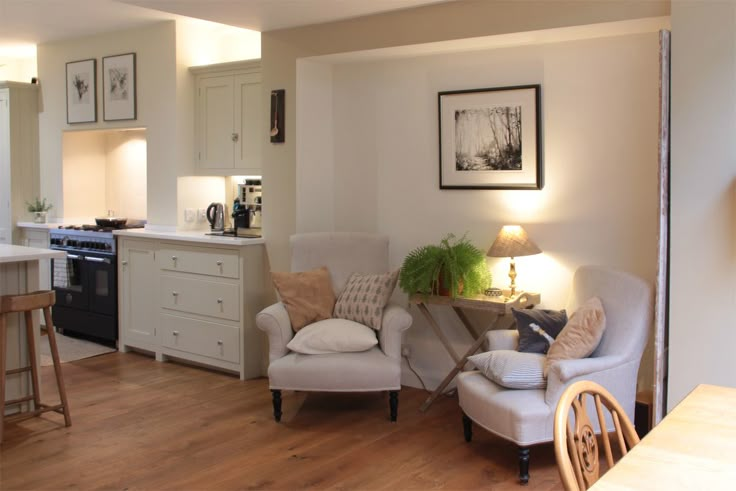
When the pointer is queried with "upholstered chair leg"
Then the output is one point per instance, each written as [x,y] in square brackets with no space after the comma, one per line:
[393,403]
[276,396]
[524,465]
[467,428]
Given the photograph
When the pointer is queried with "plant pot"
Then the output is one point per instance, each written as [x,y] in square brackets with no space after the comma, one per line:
[39,216]
[444,290]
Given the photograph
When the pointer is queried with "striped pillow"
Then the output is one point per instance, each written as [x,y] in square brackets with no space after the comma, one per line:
[512,369]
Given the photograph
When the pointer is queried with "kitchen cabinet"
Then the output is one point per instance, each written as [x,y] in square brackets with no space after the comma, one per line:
[194,303]
[228,118]
[32,237]
[137,285]
[19,162]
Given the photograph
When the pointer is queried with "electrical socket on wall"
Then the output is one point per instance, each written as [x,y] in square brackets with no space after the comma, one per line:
[189,215]
[406,350]
[201,216]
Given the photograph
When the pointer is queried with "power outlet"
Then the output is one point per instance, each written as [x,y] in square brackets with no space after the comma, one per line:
[406,351]
[189,215]
[201,216]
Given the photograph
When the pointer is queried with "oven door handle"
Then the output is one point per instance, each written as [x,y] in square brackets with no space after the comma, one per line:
[72,256]
[96,260]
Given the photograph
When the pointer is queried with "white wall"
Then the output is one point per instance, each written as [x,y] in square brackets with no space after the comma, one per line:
[125,176]
[599,203]
[703,197]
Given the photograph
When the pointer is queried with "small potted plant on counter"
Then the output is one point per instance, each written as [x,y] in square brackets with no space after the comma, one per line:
[454,267]
[39,208]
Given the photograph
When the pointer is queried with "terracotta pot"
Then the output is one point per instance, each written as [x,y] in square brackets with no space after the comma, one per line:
[444,290]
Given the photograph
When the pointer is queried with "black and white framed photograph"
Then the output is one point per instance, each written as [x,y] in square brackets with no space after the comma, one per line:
[81,91]
[118,86]
[491,138]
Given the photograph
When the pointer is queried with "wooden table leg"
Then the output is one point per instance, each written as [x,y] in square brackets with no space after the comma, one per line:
[461,362]
[433,323]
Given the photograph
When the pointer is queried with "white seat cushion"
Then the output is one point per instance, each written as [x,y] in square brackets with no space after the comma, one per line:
[367,371]
[333,336]
[521,416]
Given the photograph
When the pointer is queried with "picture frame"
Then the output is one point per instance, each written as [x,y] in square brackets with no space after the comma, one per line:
[119,87]
[81,91]
[491,138]
[276,120]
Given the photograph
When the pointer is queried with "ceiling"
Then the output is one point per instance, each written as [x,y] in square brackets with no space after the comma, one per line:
[31,22]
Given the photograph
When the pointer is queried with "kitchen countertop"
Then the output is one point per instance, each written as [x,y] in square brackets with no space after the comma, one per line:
[16,253]
[188,236]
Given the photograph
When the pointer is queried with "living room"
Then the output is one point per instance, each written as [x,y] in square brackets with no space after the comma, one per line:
[372,83]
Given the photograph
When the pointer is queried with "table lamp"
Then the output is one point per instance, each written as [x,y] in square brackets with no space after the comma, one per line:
[512,241]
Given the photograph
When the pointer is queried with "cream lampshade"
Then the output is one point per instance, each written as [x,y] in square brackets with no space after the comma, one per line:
[512,241]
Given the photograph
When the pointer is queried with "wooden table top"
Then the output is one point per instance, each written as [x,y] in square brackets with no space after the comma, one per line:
[693,447]
[500,305]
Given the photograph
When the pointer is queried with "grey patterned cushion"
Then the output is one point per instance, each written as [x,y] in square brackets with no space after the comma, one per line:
[512,369]
[364,297]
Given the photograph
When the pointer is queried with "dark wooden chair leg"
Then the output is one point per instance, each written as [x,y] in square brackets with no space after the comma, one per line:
[393,402]
[467,428]
[524,465]
[276,397]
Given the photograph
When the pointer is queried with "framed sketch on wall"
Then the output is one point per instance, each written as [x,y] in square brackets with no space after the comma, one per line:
[118,87]
[81,91]
[490,138]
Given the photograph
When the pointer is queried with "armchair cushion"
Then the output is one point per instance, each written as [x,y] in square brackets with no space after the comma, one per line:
[581,335]
[307,295]
[538,328]
[333,336]
[364,297]
[512,369]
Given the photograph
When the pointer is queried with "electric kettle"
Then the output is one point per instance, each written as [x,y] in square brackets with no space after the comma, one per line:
[216,216]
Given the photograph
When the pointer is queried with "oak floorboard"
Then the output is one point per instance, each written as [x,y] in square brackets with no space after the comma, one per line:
[141,425]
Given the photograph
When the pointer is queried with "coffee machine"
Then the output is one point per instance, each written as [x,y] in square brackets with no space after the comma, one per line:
[249,194]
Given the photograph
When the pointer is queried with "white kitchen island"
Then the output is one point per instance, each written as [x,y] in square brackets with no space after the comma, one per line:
[19,273]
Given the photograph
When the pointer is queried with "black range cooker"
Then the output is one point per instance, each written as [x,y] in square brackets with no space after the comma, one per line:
[86,282]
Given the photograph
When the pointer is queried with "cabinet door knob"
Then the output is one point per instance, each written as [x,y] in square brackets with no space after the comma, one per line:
[176,294]
[174,258]
[125,263]
[175,333]
[235,137]
[219,300]
[219,342]
[219,263]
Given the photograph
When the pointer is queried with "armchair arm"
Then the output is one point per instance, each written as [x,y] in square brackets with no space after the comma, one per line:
[395,321]
[274,320]
[615,373]
[507,339]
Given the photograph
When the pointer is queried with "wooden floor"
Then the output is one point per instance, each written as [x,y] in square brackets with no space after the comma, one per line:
[140,424]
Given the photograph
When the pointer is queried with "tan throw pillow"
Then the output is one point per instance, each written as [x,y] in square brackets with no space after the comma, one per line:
[364,297]
[580,336]
[307,295]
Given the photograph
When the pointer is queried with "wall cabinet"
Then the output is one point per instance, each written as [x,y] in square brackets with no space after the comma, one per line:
[194,303]
[19,164]
[228,122]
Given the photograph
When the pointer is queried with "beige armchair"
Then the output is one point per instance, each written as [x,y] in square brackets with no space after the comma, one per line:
[526,417]
[375,370]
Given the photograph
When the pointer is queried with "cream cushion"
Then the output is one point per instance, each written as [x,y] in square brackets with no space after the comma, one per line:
[512,369]
[580,336]
[307,295]
[333,336]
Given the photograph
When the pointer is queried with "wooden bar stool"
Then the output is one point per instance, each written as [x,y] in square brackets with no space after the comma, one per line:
[27,303]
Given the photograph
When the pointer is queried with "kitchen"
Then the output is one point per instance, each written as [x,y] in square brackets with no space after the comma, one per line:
[143,170]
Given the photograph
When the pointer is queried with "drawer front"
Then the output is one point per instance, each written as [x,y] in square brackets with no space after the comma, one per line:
[214,262]
[202,297]
[201,338]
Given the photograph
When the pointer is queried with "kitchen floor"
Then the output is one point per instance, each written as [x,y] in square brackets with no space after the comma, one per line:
[141,424]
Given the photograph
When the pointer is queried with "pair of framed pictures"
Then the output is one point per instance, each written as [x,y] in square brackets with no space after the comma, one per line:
[118,89]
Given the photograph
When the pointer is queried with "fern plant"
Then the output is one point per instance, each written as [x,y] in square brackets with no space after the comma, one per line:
[455,263]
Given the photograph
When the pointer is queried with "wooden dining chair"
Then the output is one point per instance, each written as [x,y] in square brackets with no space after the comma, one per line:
[575,436]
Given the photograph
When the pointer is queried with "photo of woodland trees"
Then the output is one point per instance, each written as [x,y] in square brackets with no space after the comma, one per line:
[488,138]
